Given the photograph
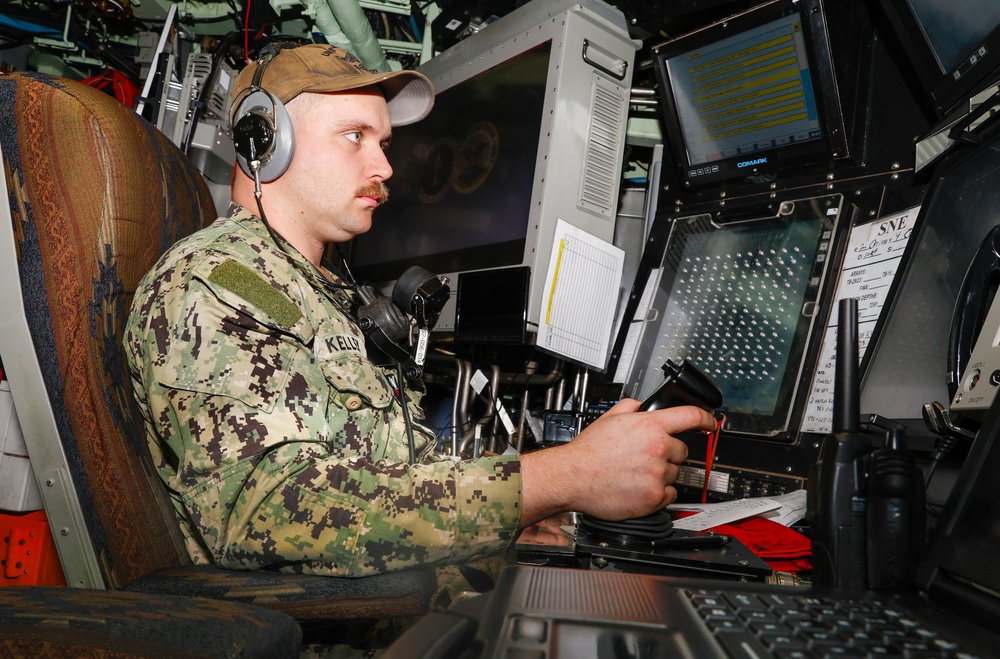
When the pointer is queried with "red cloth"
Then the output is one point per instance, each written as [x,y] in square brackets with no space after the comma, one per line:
[784,549]
[116,84]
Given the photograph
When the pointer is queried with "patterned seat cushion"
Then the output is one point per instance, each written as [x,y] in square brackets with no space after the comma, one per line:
[71,622]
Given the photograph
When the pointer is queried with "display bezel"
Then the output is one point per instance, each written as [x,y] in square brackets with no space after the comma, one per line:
[641,345]
[828,145]
[942,88]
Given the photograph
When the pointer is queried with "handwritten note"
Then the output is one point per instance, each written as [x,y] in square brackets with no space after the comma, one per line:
[873,254]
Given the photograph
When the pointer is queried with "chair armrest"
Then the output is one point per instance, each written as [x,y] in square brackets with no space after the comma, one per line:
[305,597]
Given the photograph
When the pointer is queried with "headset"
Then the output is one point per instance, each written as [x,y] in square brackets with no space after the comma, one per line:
[262,130]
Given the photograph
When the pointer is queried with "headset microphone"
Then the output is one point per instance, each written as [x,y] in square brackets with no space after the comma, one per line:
[389,323]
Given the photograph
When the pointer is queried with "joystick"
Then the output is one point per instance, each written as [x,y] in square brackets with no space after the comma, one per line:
[683,384]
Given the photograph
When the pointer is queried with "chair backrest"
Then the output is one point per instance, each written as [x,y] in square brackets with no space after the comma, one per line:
[95,196]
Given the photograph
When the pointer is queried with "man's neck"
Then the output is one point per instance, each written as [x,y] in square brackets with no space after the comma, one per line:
[290,231]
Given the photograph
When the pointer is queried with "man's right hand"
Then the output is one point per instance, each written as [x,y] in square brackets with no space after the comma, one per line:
[621,466]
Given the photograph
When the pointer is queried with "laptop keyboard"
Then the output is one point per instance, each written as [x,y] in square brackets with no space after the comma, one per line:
[755,625]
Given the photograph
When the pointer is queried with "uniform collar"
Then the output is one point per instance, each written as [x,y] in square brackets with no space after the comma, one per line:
[320,279]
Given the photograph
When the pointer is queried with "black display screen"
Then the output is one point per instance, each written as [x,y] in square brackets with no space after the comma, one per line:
[493,305]
[953,48]
[462,182]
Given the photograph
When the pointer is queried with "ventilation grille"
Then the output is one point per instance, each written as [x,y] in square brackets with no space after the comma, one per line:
[218,97]
[604,147]
[617,596]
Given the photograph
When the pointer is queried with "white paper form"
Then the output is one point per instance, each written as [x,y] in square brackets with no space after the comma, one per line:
[784,509]
[581,292]
[873,255]
[724,513]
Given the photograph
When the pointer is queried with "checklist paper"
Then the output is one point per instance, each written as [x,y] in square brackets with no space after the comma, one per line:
[873,255]
[580,296]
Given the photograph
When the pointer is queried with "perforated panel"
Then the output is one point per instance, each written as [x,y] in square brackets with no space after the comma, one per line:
[738,301]
[611,596]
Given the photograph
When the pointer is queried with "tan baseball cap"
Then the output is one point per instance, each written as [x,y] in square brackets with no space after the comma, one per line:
[324,68]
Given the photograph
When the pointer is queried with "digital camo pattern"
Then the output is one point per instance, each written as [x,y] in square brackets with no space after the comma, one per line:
[282,445]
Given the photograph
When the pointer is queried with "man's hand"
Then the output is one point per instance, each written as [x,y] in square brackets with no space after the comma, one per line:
[621,466]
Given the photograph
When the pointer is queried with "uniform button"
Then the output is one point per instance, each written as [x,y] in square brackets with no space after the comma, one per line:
[353,403]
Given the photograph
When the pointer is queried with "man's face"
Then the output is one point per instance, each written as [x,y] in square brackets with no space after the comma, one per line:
[335,179]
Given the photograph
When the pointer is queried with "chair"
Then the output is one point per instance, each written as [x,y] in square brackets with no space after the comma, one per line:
[95,196]
[78,622]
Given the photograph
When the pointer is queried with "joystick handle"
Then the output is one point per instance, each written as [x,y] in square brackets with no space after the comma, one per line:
[683,384]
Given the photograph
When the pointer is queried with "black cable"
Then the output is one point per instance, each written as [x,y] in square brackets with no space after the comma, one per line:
[278,242]
[401,387]
[944,445]
[191,20]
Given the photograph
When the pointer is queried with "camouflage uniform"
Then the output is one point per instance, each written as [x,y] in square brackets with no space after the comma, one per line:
[282,445]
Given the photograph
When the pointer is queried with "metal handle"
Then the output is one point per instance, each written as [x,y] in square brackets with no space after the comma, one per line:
[599,67]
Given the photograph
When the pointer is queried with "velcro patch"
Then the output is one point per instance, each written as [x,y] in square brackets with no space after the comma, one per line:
[249,285]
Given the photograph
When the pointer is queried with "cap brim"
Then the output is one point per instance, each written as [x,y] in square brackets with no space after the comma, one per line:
[410,96]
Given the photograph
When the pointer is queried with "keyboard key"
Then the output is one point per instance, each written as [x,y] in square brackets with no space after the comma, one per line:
[781,642]
[740,645]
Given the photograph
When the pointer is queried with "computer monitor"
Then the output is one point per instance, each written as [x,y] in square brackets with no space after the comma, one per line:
[953,48]
[742,301]
[528,127]
[750,95]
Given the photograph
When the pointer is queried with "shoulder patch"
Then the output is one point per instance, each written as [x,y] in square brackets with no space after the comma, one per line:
[253,288]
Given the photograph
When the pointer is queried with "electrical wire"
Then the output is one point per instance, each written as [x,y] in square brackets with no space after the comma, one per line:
[246,33]
[710,447]
[401,392]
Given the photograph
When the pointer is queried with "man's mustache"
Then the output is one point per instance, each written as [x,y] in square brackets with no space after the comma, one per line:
[379,190]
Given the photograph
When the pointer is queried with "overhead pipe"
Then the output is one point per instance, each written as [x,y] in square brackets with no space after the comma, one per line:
[355,25]
[327,23]
[344,24]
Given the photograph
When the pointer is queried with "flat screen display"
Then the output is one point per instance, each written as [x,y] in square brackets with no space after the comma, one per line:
[745,95]
[738,301]
[493,305]
[953,30]
[461,189]
[952,48]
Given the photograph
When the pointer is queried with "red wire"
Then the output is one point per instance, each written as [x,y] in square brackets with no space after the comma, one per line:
[246,33]
[711,445]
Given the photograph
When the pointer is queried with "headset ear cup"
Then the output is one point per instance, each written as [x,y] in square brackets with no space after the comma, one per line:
[263,128]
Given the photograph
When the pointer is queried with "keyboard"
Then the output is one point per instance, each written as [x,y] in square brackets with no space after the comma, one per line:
[755,625]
